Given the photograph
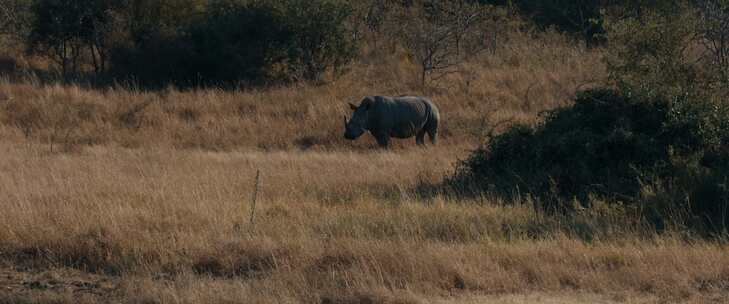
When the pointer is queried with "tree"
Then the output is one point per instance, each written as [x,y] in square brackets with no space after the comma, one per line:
[14,16]
[64,30]
[320,38]
[651,50]
[372,16]
[440,35]
[713,34]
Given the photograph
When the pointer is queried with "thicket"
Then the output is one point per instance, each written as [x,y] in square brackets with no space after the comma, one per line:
[584,19]
[228,42]
[187,42]
[655,140]
[248,42]
[213,42]
[223,42]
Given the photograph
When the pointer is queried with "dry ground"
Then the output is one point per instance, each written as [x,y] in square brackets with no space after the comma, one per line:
[124,196]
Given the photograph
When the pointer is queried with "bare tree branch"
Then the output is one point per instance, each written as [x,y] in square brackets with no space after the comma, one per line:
[441,35]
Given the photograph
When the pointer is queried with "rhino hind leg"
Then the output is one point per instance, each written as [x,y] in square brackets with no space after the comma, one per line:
[433,134]
[432,127]
[420,138]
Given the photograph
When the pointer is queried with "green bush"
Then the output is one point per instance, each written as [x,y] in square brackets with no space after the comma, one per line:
[320,39]
[653,50]
[583,18]
[656,140]
[242,41]
[614,145]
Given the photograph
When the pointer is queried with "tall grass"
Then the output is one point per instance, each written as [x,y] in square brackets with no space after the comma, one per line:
[329,225]
[515,83]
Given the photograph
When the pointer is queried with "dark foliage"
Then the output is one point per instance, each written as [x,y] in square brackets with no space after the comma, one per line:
[580,17]
[614,145]
[66,30]
[242,42]
[320,38]
[584,19]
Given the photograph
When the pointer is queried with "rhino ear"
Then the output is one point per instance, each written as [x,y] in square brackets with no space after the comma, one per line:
[352,106]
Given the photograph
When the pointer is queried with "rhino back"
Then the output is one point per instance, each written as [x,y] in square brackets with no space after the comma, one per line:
[402,115]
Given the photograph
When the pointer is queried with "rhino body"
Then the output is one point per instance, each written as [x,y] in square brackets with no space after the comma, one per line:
[400,117]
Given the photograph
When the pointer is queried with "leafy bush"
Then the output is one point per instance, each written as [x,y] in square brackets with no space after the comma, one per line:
[237,42]
[320,37]
[654,50]
[582,18]
[155,60]
[655,140]
[615,145]
[251,41]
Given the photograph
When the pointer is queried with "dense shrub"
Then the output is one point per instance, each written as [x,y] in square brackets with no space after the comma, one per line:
[321,39]
[237,42]
[655,140]
[653,50]
[582,18]
[159,58]
[615,145]
[243,41]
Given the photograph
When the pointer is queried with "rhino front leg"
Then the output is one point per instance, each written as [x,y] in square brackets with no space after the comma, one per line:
[383,139]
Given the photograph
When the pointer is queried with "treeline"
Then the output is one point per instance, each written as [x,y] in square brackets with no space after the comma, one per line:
[233,42]
[186,42]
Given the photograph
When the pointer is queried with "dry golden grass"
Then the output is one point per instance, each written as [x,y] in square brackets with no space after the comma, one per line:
[517,82]
[172,226]
[115,195]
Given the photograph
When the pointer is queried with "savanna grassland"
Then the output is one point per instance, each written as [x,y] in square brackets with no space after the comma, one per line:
[130,196]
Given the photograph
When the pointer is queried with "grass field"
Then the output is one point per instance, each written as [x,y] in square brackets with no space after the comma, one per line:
[123,196]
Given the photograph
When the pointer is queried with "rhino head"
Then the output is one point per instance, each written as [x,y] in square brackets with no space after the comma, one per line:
[357,125]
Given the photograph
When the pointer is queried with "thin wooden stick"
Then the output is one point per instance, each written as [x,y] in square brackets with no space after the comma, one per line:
[255,196]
